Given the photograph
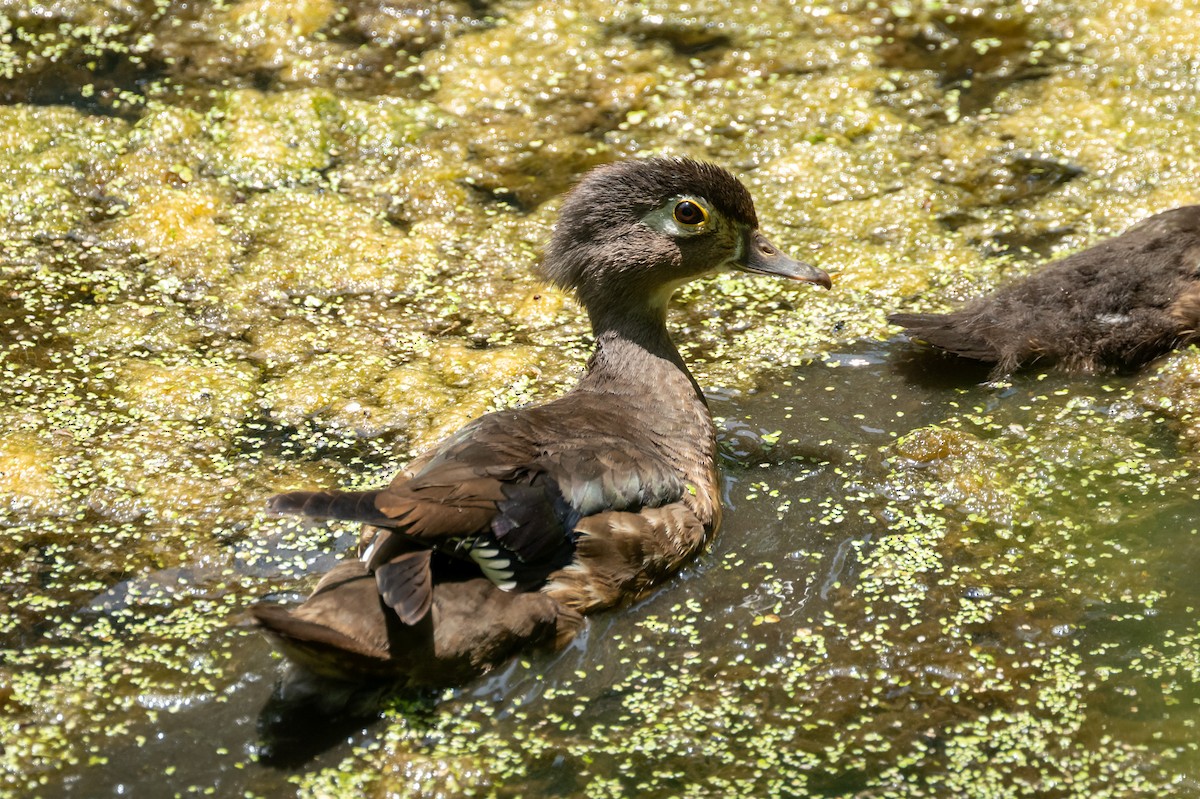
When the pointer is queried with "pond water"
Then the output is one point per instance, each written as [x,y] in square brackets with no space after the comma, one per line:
[916,579]
[253,246]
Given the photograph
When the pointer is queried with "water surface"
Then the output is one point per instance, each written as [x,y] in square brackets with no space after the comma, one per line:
[254,246]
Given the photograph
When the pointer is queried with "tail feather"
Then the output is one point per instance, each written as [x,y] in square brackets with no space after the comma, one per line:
[343,629]
[947,332]
[307,642]
[345,632]
[351,506]
[406,585]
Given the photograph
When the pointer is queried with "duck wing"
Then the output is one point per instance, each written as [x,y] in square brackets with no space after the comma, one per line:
[506,492]
[517,530]
[479,496]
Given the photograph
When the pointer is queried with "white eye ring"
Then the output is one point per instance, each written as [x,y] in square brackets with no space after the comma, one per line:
[683,215]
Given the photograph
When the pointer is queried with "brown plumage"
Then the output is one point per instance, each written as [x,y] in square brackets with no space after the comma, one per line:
[587,500]
[1113,306]
[345,628]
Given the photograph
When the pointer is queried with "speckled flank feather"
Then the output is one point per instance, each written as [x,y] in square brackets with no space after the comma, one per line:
[1116,305]
[621,555]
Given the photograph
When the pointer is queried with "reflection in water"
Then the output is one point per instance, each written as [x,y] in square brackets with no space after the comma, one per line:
[303,719]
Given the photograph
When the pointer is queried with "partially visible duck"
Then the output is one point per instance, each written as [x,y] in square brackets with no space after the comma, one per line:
[1114,306]
[561,509]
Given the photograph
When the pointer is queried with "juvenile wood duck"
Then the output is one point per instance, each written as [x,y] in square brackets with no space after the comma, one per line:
[510,529]
[1114,306]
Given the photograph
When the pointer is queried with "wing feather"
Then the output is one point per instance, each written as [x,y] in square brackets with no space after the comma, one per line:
[406,585]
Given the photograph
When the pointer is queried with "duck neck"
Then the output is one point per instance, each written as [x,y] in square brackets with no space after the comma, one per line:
[634,354]
[637,368]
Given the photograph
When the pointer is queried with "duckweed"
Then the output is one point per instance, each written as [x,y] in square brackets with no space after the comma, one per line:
[255,246]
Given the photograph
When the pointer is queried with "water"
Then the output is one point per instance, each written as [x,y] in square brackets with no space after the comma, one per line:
[282,245]
[864,623]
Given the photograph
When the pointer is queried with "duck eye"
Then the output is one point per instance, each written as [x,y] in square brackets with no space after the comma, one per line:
[690,214]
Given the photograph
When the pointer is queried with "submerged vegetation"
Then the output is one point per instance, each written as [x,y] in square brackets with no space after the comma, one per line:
[258,245]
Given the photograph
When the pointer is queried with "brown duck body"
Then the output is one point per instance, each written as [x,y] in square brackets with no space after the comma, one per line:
[507,532]
[592,497]
[1114,306]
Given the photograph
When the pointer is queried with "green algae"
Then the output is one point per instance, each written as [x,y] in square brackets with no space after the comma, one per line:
[1171,391]
[256,246]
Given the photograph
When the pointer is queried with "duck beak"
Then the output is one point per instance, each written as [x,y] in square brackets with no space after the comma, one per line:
[761,257]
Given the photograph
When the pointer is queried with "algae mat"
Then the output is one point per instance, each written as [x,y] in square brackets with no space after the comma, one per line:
[260,245]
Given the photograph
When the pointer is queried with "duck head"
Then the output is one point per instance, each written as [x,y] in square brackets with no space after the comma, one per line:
[632,232]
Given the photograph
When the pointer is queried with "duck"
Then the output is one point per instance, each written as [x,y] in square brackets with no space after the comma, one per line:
[511,530]
[1114,307]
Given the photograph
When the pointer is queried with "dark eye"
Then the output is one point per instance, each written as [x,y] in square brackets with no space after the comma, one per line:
[690,214]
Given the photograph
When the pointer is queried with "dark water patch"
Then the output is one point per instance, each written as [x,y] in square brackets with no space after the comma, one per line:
[80,55]
[107,60]
[114,89]
[686,37]
[995,194]
[302,721]
[1008,178]
[934,369]
[1027,242]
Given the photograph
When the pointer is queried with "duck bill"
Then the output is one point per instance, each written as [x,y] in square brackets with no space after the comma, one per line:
[761,257]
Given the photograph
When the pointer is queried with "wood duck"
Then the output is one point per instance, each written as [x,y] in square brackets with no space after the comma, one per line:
[1114,306]
[506,532]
